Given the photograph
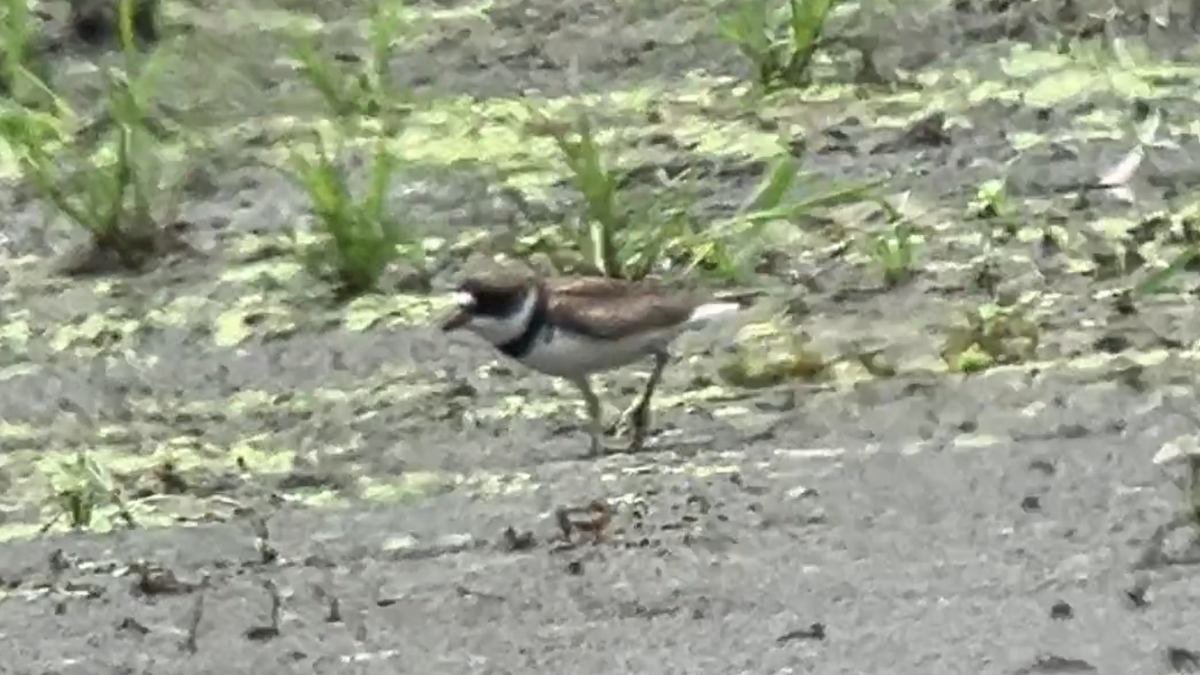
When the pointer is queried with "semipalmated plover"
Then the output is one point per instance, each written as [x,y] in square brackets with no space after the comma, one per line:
[575,327]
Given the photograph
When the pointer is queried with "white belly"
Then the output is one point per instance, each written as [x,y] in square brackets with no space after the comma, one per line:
[566,354]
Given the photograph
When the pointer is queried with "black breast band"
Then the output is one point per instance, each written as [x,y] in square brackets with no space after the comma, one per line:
[520,346]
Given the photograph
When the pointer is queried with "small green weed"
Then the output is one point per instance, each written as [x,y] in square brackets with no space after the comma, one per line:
[631,232]
[991,200]
[24,67]
[366,91]
[613,244]
[1181,232]
[761,361]
[81,490]
[994,334]
[779,43]
[360,237]
[897,251]
[111,187]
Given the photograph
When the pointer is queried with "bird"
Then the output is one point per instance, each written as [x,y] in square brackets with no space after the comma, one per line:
[574,327]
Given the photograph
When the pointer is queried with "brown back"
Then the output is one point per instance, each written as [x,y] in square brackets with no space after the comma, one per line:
[614,308]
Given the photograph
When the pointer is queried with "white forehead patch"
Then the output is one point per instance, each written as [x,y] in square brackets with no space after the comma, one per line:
[463,299]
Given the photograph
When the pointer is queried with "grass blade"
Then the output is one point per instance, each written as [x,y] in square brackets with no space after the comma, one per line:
[1156,282]
[806,26]
[319,75]
[383,166]
[774,186]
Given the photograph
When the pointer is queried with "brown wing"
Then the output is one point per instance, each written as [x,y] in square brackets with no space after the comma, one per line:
[592,287]
[610,308]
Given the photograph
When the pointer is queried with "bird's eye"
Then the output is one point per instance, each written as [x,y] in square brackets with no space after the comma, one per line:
[491,303]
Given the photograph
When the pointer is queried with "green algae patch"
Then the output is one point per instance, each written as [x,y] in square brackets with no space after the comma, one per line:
[698,397]
[496,484]
[94,334]
[387,311]
[1050,79]
[113,484]
[160,511]
[258,412]
[15,330]
[317,498]
[410,487]
[253,454]
[690,468]
[517,406]
[773,352]
[424,17]
[253,316]
[744,140]
[495,133]
[258,454]
[179,312]
[278,271]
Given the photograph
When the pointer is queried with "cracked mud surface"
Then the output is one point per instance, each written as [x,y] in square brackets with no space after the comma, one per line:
[923,523]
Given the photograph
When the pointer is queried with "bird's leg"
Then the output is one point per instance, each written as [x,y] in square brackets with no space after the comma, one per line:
[637,418]
[595,426]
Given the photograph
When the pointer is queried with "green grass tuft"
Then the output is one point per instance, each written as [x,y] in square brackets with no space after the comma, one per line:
[780,43]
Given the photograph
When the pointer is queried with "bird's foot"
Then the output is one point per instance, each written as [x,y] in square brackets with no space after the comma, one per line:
[602,447]
[635,422]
